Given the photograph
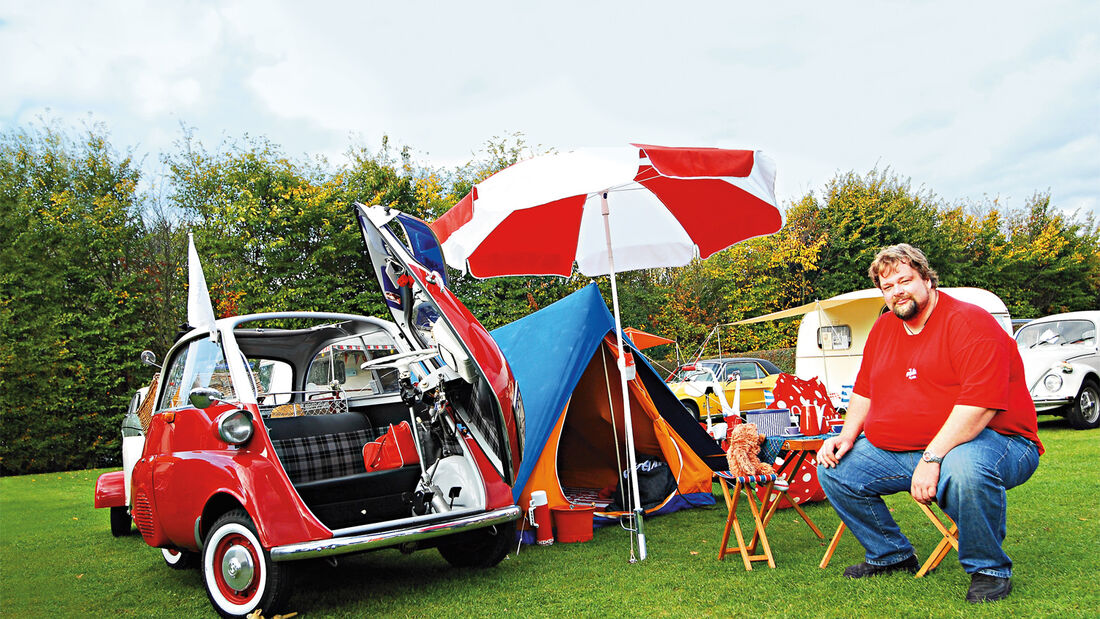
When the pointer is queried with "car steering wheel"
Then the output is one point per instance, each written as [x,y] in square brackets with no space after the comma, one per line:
[403,358]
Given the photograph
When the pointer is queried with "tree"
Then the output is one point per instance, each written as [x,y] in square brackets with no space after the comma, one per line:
[73,294]
[275,234]
[862,214]
[1051,262]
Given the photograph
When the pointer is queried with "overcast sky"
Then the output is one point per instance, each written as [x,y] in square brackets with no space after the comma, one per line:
[971,100]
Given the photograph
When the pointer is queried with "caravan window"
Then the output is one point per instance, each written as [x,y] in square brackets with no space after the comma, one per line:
[837,337]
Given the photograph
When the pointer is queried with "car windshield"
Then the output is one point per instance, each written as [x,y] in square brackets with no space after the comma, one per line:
[200,364]
[1057,333]
[699,372]
[338,367]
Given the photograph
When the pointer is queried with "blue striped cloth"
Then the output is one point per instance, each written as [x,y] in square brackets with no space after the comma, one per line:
[845,395]
[749,479]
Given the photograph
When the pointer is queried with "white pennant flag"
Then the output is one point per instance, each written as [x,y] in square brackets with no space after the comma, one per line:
[200,312]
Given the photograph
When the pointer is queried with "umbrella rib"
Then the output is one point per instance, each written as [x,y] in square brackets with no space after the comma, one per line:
[629,186]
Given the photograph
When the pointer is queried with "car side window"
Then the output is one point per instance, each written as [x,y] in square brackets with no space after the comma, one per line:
[200,364]
[274,380]
[748,371]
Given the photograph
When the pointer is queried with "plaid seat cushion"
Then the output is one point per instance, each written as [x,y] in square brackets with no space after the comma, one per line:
[324,456]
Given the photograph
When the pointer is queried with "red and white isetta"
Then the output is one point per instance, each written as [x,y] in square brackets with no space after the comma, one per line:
[277,437]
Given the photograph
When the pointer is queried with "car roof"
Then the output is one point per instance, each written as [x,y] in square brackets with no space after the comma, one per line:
[770,366]
[1093,315]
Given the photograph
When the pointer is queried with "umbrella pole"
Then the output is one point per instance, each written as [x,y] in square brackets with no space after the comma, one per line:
[632,459]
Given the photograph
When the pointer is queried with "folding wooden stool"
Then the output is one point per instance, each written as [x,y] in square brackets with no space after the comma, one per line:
[745,486]
[949,540]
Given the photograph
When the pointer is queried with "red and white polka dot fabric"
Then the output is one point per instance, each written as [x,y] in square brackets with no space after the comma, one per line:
[804,485]
[793,393]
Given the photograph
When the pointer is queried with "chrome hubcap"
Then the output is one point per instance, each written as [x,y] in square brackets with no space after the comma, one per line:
[1090,408]
[237,568]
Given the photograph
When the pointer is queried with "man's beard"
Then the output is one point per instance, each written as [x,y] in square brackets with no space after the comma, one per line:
[911,310]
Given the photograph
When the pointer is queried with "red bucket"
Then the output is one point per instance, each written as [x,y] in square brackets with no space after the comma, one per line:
[573,523]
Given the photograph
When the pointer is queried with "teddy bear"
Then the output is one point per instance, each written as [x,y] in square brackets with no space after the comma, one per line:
[743,454]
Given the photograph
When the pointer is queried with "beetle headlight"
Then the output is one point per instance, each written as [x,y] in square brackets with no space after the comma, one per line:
[235,427]
[1052,382]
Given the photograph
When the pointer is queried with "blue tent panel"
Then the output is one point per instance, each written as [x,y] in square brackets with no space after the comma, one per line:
[549,351]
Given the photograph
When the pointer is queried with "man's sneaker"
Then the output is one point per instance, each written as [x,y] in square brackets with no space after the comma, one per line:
[866,569]
[986,588]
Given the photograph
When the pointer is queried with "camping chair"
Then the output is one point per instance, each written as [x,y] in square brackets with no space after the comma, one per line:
[780,492]
[746,486]
[949,540]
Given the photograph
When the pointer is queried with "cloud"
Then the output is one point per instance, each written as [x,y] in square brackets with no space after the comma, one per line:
[968,99]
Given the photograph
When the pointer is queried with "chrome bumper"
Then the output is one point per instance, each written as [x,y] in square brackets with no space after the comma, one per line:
[1048,404]
[380,539]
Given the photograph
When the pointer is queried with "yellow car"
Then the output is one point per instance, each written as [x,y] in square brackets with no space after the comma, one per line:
[695,383]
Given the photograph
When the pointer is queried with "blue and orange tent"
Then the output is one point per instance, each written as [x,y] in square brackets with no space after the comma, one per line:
[564,359]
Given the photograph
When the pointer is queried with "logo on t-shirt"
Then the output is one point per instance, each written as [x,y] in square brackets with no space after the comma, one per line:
[911,373]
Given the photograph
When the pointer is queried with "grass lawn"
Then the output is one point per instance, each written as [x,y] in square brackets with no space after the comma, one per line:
[58,559]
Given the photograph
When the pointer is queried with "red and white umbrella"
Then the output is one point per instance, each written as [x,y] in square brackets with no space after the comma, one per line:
[608,210]
[666,206]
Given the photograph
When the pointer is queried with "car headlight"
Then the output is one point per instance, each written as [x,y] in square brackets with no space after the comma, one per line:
[1052,382]
[521,419]
[235,427]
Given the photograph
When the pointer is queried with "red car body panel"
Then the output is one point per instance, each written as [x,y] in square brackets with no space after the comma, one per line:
[110,490]
[497,493]
[192,466]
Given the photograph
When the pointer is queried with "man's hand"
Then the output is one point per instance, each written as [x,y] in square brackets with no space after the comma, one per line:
[833,449]
[926,477]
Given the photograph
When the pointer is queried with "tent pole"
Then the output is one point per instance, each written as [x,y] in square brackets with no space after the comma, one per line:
[824,358]
[631,457]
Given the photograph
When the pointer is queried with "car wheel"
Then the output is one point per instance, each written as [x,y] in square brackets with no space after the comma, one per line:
[481,548]
[121,523]
[238,572]
[1084,413]
[179,559]
[692,407]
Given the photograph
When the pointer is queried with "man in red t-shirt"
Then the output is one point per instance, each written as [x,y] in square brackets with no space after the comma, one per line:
[940,409]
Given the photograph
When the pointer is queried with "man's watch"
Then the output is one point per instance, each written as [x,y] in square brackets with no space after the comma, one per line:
[931,457]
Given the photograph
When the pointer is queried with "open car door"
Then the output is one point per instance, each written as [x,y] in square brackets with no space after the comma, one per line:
[408,264]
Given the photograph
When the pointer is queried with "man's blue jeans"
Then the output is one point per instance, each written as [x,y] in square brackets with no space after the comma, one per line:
[973,479]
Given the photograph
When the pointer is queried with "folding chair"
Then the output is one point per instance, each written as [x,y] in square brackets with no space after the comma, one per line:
[745,486]
[797,451]
[949,540]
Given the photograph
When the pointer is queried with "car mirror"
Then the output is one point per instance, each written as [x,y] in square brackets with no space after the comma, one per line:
[203,397]
[148,358]
[452,352]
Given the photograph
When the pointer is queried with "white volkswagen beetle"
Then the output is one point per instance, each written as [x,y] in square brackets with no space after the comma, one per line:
[1062,366]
